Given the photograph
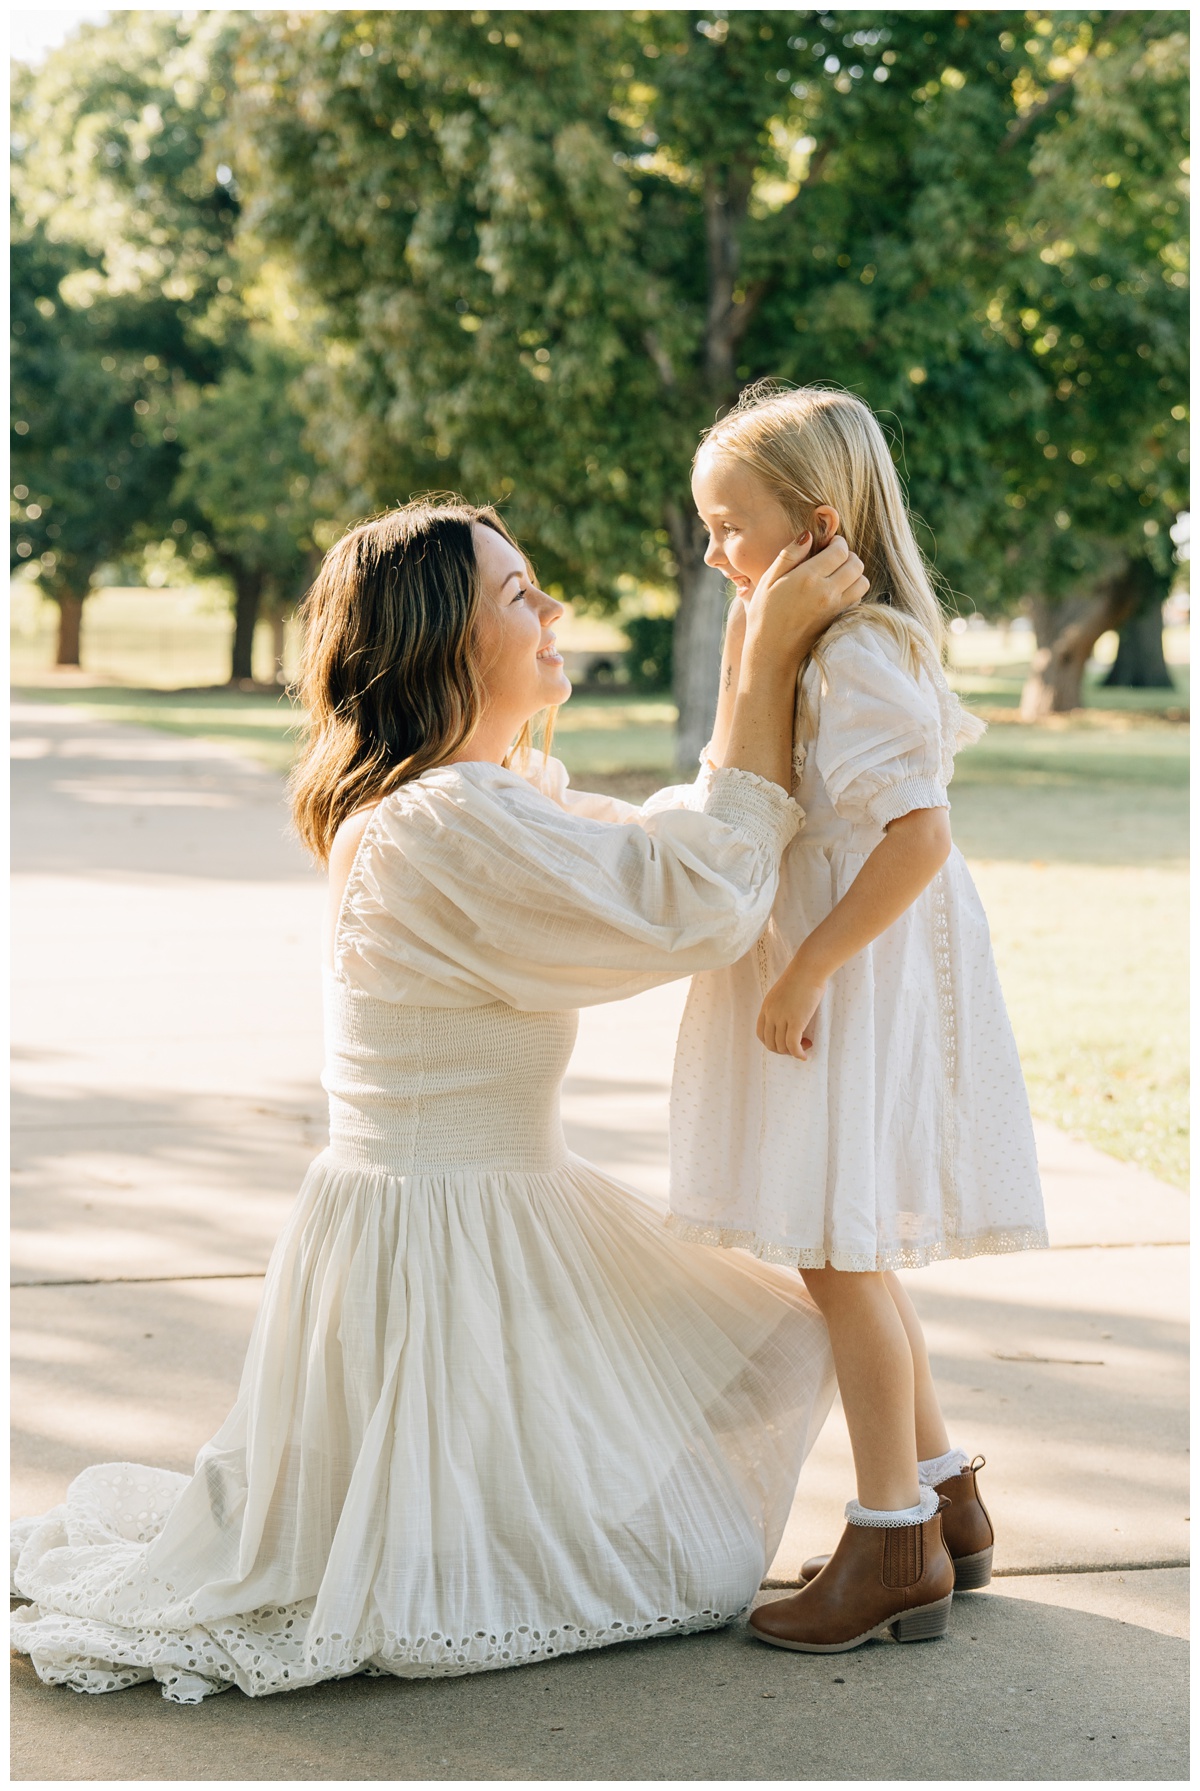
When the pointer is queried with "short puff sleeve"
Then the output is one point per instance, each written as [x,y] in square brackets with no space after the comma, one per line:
[888,727]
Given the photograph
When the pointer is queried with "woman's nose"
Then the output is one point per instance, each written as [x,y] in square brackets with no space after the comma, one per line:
[549,608]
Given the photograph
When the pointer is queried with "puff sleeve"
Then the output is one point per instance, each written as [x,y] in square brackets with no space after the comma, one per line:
[554,780]
[886,731]
[471,886]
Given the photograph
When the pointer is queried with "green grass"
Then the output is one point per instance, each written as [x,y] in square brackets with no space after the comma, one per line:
[605,736]
[1076,832]
[1093,961]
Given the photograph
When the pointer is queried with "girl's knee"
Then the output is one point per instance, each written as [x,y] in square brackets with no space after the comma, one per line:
[841,1287]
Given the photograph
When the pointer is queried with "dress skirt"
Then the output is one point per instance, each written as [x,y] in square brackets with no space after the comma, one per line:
[484,1419]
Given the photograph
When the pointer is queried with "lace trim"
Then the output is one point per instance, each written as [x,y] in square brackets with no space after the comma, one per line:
[943,1467]
[866,1519]
[283,1658]
[948,1019]
[799,761]
[959,727]
[904,1256]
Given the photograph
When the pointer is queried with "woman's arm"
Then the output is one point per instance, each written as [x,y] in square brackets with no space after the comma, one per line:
[731,663]
[907,859]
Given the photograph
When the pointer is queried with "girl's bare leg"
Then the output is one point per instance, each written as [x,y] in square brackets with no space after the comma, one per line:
[874,1363]
[931,1426]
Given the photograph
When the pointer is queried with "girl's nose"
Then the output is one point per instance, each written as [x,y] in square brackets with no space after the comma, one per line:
[712,554]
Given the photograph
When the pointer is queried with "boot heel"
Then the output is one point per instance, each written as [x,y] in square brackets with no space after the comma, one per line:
[924,1624]
[973,1572]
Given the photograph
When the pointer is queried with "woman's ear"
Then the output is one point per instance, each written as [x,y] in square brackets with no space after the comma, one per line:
[825,525]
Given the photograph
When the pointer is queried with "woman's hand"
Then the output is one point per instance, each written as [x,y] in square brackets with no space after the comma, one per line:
[785,1021]
[802,592]
[793,602]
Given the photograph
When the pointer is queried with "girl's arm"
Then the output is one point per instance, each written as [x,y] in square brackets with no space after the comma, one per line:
[907,859]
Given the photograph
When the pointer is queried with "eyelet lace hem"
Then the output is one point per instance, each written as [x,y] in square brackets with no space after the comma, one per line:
[267,1651]
[904,1256]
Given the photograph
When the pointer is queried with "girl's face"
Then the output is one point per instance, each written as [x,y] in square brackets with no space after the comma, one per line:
[747,525]
[521,671]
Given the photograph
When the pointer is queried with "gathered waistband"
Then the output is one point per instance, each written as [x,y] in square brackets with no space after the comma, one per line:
[427,1091]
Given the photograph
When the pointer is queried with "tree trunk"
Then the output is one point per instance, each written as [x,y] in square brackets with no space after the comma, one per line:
[703,593]
[248,591]
[1140,664]
[278,643]
[699,633]
[1055,682]
[70,628]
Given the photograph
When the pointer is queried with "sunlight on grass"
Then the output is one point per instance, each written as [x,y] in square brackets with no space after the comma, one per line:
[1093,960]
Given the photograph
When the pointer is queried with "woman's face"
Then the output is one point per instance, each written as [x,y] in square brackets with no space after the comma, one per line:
[747,526]
[521,671]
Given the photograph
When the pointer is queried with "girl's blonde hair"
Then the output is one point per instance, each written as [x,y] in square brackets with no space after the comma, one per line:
[812,446]
[389,672]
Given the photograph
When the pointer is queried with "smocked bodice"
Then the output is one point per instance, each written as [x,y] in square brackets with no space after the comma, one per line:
[431,1090]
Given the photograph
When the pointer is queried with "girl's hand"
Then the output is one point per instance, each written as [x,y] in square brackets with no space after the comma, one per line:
[801,593]
[785,1021]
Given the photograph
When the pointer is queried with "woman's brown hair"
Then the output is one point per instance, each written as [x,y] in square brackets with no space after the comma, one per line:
[388,674]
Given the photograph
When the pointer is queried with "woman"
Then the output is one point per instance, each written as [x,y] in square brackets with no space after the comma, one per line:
[491,1412]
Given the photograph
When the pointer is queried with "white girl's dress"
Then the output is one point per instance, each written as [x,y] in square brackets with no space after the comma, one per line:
[491,1411]
[905,1137]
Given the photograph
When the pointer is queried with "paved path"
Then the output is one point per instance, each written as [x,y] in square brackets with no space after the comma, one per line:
[167,1101]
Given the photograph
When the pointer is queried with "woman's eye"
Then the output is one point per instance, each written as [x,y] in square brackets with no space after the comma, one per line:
[521,595]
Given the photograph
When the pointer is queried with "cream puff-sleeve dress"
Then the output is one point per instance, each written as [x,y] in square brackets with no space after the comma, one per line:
[906,1136]
[492,1411]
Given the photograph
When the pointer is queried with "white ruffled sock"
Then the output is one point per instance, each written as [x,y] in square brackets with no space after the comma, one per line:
[942,1467]
[893,1520]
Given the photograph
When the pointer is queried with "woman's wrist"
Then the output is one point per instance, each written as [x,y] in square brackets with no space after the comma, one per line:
[767,650]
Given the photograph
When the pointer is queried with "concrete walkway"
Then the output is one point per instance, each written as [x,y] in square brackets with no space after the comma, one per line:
[168,1050]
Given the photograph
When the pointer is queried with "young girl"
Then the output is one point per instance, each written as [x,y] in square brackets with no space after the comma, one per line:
[847,1097]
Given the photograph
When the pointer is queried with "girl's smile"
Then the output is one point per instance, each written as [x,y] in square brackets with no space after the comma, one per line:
[747,525]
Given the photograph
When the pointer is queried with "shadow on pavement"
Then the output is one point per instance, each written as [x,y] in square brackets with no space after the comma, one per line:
[1018,1690]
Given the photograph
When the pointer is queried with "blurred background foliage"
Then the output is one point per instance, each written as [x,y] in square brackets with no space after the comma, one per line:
[274,270]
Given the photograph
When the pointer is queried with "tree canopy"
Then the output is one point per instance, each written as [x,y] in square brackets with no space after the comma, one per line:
[534,254]
[554,245]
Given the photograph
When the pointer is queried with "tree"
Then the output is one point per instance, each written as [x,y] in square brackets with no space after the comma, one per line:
[1098,290]
[551,247]
[120,163]
[248,477]
[93,432]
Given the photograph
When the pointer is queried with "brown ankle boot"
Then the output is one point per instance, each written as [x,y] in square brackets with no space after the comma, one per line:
[966,1527]
[876,1580]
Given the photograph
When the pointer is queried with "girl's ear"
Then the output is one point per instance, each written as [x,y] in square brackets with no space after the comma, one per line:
[825,525]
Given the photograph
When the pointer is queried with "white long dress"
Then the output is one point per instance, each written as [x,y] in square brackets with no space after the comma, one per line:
[906,1136]
[491,1411]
